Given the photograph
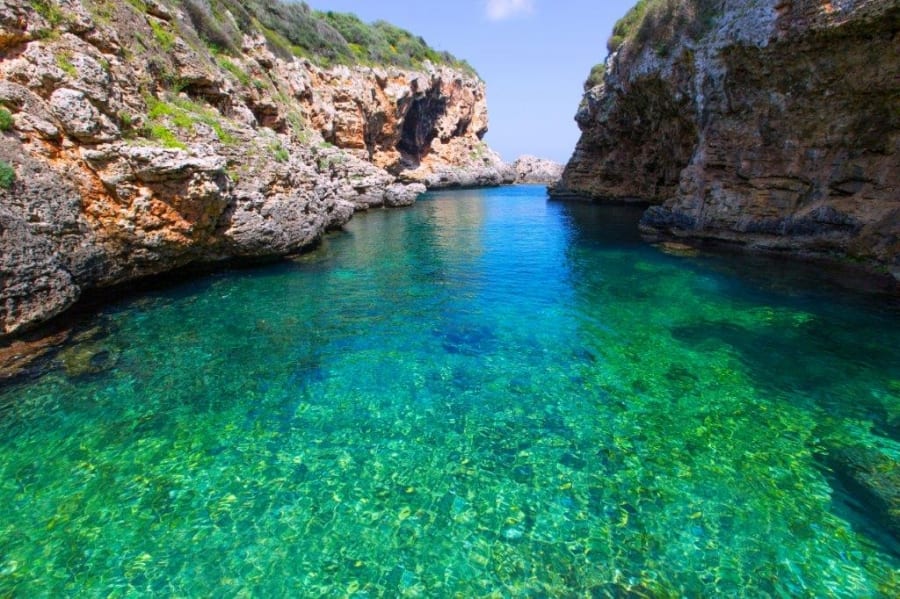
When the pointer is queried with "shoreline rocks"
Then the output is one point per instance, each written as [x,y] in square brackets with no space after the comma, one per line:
[742,126]
[127,168]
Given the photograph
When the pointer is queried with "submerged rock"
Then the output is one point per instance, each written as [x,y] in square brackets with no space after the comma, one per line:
[89,358]
[873,478]
[674,248]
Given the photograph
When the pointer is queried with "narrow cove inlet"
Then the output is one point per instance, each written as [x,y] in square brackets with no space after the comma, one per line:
[484,394]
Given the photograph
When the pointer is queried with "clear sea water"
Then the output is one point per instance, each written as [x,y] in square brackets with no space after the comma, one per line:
[484,395]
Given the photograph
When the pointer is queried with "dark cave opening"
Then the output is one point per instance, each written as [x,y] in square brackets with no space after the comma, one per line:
[419,125]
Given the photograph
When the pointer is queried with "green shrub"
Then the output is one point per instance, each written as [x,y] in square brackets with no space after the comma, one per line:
[156,108]
[224,136]
[239,74]
[64,62]
[203,114]
[327,38]
[6,120]
[163,135]
[127,124]
[658,21]
[164,37]
[49,10]
[614,42]
[281,155]
[596,76]
[184,113]
[7,175]
[213,26]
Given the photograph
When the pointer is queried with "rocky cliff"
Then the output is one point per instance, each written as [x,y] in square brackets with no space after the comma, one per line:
[133,144]
[767,123]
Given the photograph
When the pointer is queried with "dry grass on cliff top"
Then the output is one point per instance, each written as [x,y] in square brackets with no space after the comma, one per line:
[660,22]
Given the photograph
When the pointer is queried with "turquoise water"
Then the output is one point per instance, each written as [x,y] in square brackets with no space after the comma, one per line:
[485,395]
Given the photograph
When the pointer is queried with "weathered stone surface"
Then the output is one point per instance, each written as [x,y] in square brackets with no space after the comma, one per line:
[79,118]
[403,195]
[531,169]
[14,25]
[427,127]
[777,128]
[485,168]
[47,288]
[137,151]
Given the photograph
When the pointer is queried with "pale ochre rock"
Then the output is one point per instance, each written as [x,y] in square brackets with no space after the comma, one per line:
[422,126]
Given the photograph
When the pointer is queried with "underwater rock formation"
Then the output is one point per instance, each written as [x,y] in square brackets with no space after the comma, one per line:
[873,479]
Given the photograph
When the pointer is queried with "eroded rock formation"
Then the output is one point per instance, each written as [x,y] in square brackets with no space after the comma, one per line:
[136,149]
[768,123]
[422,127]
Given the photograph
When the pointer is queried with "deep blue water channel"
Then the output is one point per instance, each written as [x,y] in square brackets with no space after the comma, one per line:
[483,395]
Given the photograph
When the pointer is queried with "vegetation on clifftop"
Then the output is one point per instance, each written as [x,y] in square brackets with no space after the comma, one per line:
[598,72]
[658,21]
[326,38]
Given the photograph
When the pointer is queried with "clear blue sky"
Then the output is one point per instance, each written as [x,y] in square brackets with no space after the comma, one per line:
[533,54]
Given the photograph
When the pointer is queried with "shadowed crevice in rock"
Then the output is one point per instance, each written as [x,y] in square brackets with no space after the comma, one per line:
[419,125]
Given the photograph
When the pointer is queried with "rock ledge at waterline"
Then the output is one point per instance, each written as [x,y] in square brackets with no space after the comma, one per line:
[770,125]
[131,148]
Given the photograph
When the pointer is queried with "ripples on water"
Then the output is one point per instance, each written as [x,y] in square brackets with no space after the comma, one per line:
[483,395]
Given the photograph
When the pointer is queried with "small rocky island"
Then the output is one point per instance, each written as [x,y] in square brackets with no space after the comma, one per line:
[534,170]
[770,125]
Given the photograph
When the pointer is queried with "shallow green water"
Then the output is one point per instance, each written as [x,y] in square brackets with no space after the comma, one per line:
[484,395]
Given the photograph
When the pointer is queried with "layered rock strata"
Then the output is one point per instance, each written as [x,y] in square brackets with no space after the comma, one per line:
[767,123]
[131,148]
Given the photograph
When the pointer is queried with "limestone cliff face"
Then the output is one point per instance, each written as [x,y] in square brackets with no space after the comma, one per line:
[424,127]
[768,123]
[136,149]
